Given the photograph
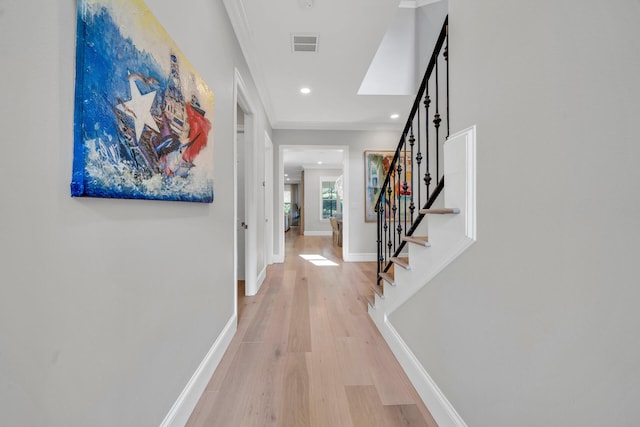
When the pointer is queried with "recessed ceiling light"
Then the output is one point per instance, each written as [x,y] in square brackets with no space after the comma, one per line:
[394,116]
[286,174]
[319,163]
[305,90]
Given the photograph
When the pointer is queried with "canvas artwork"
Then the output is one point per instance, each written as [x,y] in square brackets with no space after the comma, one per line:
[376,167]
[143,115]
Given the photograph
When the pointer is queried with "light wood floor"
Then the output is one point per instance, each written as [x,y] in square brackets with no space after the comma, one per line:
[306,353]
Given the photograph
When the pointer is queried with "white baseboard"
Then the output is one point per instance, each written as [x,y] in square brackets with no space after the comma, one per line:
[360,257]
[188,399]
[441,409]
[318,233]
[261,277]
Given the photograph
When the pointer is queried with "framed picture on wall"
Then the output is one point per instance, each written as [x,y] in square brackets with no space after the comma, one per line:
[143,114]
[376,168]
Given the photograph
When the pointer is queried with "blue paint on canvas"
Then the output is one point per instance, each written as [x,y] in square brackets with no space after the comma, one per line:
[140,129]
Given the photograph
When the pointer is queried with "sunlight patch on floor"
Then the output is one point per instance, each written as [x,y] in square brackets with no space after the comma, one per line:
[318,260]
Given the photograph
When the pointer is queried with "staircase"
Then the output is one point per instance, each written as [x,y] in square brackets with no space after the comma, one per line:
[442,235]
[446,233]
[421,228]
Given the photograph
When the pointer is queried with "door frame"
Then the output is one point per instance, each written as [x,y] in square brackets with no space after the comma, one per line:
[241,98]
[268,198]
[280,253]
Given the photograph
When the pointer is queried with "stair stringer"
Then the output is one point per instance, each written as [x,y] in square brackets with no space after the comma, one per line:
[450,236]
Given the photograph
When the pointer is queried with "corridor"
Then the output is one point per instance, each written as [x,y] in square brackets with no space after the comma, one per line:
[306,352]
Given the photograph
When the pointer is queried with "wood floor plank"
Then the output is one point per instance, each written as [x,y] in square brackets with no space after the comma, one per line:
[329,406]
[233,397]
[299,329]
[264,405]
[294,407]
[389,378]
[406,415]
[251,307]
[353,354]
[260,322]
[365,406]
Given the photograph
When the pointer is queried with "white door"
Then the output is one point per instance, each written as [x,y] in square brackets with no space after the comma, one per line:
[240,169]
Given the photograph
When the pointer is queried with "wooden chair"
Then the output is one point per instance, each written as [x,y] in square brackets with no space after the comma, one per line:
[337,233]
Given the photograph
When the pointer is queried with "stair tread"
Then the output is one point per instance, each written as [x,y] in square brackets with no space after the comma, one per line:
[402,262]
[387,278]
[439,211]
[418,240]
[370,300]
[378,290]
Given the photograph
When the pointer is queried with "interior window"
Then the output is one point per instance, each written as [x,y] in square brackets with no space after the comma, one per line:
[329,202]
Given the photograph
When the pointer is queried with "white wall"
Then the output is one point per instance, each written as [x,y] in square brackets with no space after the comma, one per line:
[429,20]
[97,328]
[361,235]
[313,223]
[537,324]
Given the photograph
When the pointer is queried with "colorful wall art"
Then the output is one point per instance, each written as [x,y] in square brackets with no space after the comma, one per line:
[143,115]
[376,168]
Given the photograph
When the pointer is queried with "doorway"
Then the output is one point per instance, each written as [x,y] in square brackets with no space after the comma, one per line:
[240,203]
[304,164]
[249,192]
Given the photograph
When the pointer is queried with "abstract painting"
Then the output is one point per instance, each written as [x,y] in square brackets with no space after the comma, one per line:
[143,115]
[376,168]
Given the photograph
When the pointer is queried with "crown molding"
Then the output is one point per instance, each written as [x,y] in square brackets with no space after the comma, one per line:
[240,23]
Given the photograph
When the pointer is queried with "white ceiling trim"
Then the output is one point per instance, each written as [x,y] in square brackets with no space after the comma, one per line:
[240,24]
[396,126]
[322,166]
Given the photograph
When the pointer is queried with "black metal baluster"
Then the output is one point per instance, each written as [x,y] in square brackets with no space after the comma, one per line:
[446,59]
[436,123]
[398,188]
[405,187]
[388,227]
[395,206]
[412,141]
[427,173]
[378,243]
[419,157]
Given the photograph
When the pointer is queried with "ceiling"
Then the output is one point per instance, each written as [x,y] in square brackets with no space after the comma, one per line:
[357,50]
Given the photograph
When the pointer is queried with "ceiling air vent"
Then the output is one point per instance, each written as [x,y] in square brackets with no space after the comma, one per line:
[304,42]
